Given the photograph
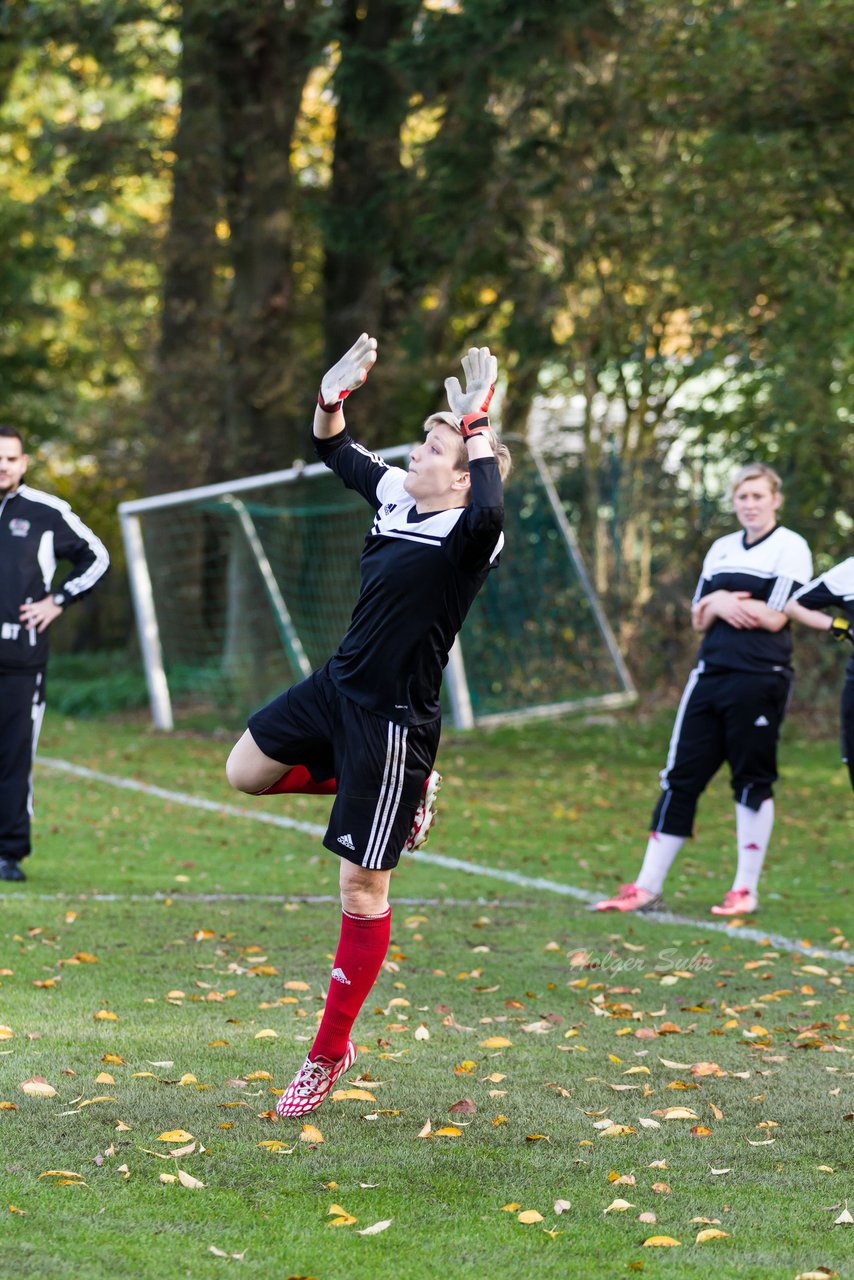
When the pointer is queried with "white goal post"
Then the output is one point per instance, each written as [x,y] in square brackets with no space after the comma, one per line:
[243,587]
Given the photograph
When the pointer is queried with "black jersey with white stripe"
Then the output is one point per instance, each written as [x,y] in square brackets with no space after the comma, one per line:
[770,569]
[419,576]
[832,590]
[36,531]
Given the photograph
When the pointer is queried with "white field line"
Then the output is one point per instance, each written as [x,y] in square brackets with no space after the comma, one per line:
[277,899]
[540,883]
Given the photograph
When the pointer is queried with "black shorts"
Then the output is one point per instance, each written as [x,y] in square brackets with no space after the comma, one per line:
[380,766]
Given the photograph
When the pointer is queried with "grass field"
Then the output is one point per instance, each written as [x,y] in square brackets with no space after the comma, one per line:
[163,971]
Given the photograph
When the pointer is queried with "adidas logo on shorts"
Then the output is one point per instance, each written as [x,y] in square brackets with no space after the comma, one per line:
[347,842]
[761,721]
[339,975]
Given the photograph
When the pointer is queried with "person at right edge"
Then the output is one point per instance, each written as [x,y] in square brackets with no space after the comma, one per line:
[736,697]
[833,590]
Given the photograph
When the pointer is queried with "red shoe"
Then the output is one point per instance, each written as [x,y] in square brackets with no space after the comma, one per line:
[312,1084]
[425,814]
[632,898]
[738,902]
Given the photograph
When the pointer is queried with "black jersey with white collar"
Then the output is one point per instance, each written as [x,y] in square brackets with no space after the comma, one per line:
[419,576]
[770,569]
[832,590]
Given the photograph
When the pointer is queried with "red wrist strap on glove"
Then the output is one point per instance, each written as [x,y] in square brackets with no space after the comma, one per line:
[331,408]
[473,424]
[487,398]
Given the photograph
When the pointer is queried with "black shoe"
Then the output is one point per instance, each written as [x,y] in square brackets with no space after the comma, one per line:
[10,869]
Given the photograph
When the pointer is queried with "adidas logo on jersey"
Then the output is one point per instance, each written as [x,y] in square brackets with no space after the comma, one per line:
[339,975]
[347,842]
[761,721]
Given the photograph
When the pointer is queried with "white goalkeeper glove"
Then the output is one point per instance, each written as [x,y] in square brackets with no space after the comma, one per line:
[348,374]
[481,371]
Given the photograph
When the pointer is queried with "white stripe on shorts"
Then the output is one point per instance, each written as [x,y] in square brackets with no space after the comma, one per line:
[390,793]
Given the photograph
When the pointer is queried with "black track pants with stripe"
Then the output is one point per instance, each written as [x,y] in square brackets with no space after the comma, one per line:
[732,716]
[21,713]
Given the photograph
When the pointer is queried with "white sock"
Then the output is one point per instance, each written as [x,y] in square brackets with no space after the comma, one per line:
[753,831]
[658,859]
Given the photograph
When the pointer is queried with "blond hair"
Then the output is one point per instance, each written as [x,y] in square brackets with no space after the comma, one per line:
[756,471]
[498,447]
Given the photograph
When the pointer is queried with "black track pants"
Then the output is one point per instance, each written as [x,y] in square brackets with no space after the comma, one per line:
[732,716]
[21,713]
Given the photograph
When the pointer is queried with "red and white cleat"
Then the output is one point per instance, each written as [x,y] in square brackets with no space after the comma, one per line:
[425,814]
[737,902]
[312,1084]
[632,898]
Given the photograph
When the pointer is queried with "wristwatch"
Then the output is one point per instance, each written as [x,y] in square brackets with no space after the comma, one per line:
[59,598]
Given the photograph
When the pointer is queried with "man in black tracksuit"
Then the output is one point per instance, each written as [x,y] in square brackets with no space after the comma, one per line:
[36,530]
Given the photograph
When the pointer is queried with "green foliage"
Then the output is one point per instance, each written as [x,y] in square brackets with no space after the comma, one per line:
[645,207]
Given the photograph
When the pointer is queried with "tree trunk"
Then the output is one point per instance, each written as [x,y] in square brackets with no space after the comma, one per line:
[263,54]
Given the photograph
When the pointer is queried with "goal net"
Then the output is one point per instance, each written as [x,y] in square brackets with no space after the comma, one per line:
[242,588]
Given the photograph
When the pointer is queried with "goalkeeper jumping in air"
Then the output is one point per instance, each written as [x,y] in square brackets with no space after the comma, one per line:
[365,727]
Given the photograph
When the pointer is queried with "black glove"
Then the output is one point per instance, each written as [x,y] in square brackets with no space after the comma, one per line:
[840,629]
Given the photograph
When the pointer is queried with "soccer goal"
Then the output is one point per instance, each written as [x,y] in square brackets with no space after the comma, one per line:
[242,588]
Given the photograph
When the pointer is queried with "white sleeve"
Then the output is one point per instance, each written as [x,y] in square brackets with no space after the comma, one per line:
[795,568]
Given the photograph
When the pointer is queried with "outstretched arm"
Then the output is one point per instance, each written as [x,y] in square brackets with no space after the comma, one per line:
[345,376]
[839,628]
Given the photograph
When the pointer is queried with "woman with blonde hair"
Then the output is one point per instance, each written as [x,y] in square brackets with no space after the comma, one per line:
[736,697]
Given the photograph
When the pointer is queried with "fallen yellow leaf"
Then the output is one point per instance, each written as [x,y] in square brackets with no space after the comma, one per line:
[529,1215]
[711,1233]
[496,1042]
[310,1134]
[175,1135]
[661,1240]
[342,1218]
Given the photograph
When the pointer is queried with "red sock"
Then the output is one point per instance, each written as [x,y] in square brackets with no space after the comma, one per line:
[361,950]
[298,781]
